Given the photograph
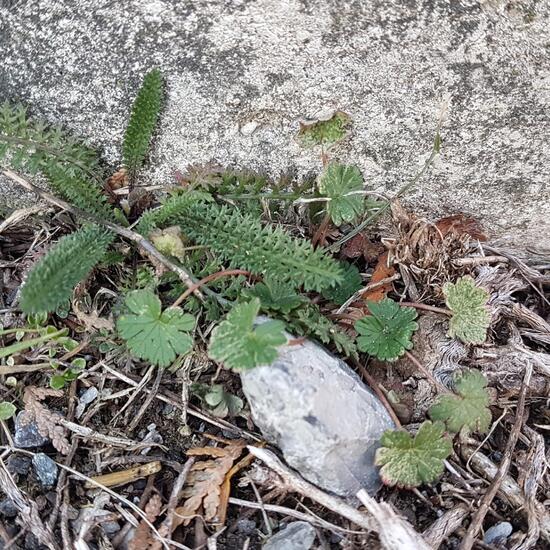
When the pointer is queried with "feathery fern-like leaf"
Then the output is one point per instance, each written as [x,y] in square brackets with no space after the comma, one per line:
[32,144]
[54,277]
[143,120]
[79,192]
[71,168]
[242,241]
[169,211]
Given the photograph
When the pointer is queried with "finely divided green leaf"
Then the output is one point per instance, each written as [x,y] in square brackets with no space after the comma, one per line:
[275,296]
[152,334]
[409,462]
[468,303]
[386,333]
[343,185]
[245,243]
[344,290]
[52,280]
[239,345]
[469,408]
[145,113]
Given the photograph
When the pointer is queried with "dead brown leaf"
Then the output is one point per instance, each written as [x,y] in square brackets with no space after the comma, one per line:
[360,245]
[204,483]
[118,180]
[48,422]
[461,225]
[382,271]
[143,537]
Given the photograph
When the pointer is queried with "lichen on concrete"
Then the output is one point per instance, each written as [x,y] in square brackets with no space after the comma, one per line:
[242,73]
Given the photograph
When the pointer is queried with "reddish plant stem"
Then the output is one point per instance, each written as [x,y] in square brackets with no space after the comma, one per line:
[426,372]
[209,279]
[426,307]
[376,388]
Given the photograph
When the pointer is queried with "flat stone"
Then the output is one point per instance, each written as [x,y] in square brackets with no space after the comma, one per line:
[45,468]
[18,464]
[390,65]
[7,508]
[298,535]
[27,434]
[312,406]
[498,533]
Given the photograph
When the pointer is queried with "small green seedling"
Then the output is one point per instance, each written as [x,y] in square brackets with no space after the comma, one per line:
[7,410]
[343,186]
[220,402]
[386,333]
[59,381]
[152,334]
[469,409]
[239,345]
[468,303]
[325,131]
[408,462]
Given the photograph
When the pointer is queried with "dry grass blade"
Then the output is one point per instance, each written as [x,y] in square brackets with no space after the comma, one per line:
[479,516]
[395,532]
[28,512]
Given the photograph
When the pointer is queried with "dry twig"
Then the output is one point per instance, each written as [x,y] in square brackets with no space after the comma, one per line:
[479,516]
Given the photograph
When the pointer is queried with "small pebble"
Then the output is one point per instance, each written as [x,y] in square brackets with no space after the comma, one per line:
[27,434]
[8,508]
[110,528]
[249,128]
[85,399]
[246,526]
[498,533]
[18,464]
[45,468]
[298,535]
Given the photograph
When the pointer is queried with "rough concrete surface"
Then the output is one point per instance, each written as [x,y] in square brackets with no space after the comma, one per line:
[241,73]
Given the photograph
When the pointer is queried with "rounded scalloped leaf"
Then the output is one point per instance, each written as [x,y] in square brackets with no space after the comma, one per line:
[408,461]
[239,345]
[386,333]
[468,302]
[469,408]
[343,186]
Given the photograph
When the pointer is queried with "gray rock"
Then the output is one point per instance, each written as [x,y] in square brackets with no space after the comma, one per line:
[46,469]
[498,533]
[87,397]
[298,535]
[8,508]
[312,406]
[27,434]
[18,464]
[246,526]
[389,64]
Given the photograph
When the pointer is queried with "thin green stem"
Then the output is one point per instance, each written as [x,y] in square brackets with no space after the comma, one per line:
[435,151]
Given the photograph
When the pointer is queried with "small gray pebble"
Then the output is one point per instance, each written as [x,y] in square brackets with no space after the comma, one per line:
[110,527]
[8,508]
[18,464]
[498,533]
[298,535]
[246,526]
[27,434]
[45,468]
